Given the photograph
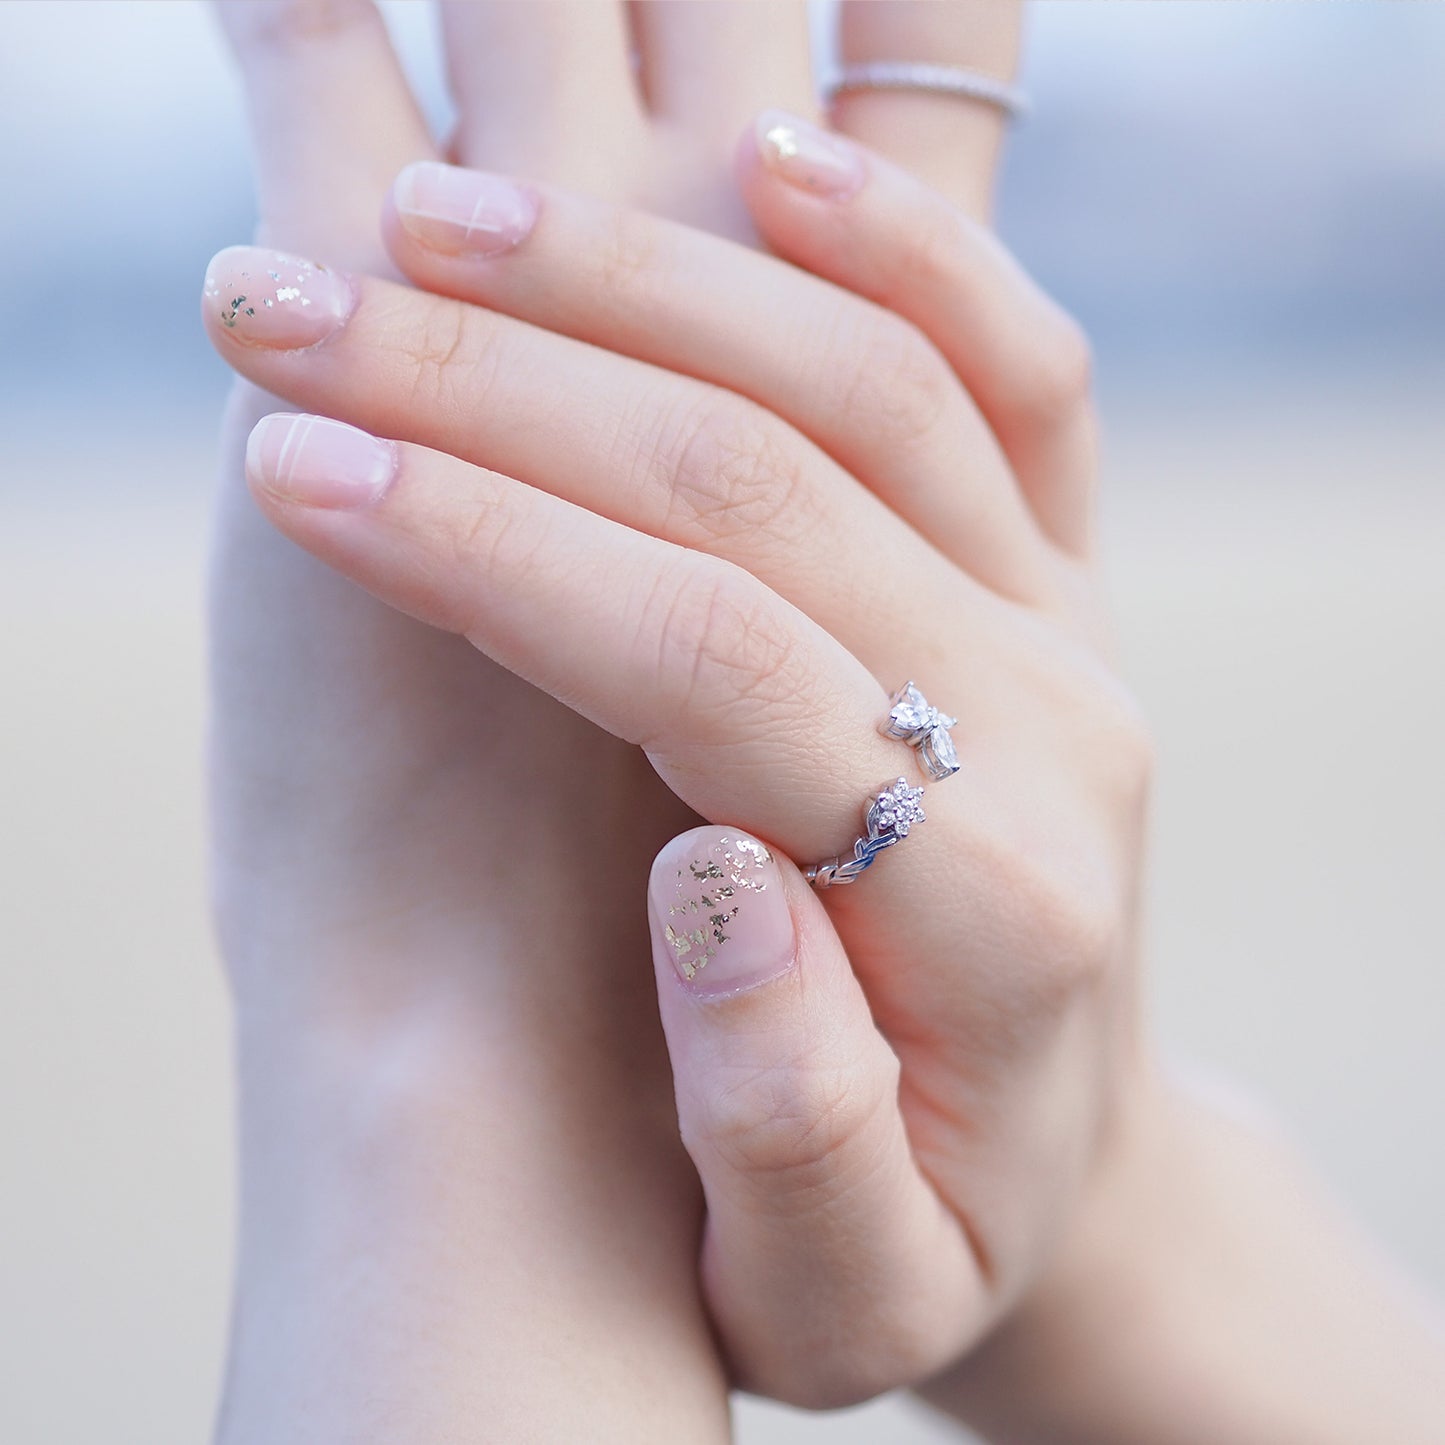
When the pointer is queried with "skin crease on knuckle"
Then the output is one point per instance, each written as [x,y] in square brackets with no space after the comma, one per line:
[451,355]
[897,388]
[937,252]
[1067,887]
[1053,371]
[631,263]
[796,1129]
[735,475]
[1057,924]
[805,1136]
[723,653]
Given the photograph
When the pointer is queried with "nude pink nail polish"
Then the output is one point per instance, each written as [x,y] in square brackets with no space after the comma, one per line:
[266,298]
[808,157]
[319,462]
[460,212]
[719,913]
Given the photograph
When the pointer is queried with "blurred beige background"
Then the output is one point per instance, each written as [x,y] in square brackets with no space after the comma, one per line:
[1275,526]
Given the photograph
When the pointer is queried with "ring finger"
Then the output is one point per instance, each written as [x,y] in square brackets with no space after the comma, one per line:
[949,142]
[724,684]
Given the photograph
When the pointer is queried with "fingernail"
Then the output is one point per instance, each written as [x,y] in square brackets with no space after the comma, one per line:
[460,212]
[807,157]
[319,462]
[267,298]
[719,912]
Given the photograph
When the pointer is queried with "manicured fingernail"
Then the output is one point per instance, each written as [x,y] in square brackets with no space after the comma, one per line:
[319,462]
[460,212]
[807,157]
[267,298]
[719,912]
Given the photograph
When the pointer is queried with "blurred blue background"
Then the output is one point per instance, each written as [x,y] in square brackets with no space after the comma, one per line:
[1209,186]
[1245,204]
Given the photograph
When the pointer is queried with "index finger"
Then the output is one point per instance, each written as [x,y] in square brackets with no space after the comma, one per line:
[332,120]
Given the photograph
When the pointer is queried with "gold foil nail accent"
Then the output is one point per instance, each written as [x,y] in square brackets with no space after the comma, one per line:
[695,947]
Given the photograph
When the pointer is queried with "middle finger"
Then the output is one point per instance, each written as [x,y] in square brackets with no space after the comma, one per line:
[865,384]
[663,454]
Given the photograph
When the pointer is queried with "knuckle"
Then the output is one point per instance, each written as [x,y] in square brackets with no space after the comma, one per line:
[736,472]
[724,647]
[1114,732]
[1069,916]
[787,1128]
[1077,922]
[897,388]
[451,360]
[939,245]
[1060,359]
[1062,374]
[1069,867]
[488,541]
[628,258]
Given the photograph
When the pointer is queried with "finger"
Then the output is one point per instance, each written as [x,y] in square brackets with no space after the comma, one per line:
[331,116]
[663,454]
[868,388]
[867,225]
[719,679]
[831,1269]
[544,87]
[949,142]
[709,64]
[757,719]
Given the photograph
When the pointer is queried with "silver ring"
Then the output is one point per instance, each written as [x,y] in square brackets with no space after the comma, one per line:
[889,817]
[941,79]
[923,728]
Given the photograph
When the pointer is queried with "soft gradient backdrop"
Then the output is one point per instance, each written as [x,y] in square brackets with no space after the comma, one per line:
[1246,205]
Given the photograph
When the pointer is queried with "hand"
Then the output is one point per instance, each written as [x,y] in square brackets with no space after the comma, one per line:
[414,1011]
[714,538]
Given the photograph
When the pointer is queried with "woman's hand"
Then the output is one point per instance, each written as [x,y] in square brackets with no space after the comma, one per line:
[721,517]
[465,1211]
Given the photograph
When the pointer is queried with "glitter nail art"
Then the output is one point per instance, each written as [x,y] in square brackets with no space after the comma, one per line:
[711,892]
[267,299]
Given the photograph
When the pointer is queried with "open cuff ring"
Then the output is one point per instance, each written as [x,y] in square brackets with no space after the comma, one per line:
[889,817]
[923,728]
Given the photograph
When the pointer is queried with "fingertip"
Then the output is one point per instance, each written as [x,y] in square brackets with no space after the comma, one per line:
[254,296]
[312,461]
[455,213]
[721,918]
[806,157]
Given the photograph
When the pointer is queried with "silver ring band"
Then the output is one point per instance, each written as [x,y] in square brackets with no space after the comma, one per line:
[911,719]
[889,817]
[940,79]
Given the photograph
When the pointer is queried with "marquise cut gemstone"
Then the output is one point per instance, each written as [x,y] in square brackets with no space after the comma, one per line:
[910,711]
[908,717]
[940,753]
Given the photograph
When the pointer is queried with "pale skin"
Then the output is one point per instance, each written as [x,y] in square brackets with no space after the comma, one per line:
[655,523]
